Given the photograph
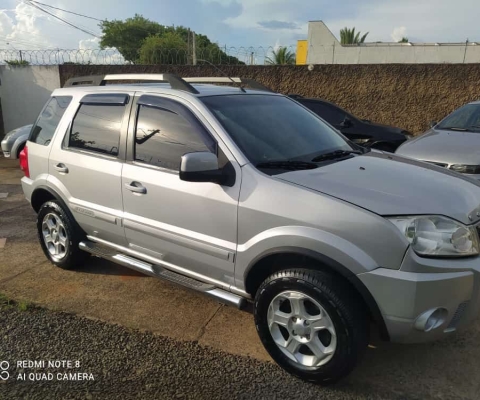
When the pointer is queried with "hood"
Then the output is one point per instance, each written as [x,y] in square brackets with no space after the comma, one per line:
[444,146]
[19,132]
[387,184]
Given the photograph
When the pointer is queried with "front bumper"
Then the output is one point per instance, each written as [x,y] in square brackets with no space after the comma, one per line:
[403,295]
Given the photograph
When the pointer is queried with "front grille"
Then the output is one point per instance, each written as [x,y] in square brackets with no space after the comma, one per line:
[437,163]
[458,315]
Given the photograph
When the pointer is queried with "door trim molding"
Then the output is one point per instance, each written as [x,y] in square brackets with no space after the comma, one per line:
[180,240]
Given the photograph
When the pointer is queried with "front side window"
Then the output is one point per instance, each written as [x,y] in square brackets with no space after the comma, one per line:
[465,118]
[162,137]
[97,128]
[274,128]
[44,129]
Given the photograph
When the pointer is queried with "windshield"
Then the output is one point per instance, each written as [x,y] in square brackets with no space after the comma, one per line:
[274,128]
[465,118]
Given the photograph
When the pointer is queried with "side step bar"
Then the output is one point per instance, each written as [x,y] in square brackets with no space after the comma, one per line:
[158,271]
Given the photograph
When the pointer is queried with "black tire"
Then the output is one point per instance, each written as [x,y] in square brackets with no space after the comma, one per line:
[73,257]
[344,307]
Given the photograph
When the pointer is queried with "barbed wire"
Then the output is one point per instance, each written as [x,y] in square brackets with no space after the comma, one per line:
[261,55]
[214,55]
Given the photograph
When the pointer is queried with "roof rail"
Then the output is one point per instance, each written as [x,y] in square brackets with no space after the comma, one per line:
[175,81]
[100,80]
[253,84]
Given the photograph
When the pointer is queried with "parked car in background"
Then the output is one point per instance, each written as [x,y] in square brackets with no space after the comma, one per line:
[14,141]
[454,143]
[359,131]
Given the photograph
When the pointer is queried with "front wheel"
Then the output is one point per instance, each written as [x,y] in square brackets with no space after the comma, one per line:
[312,324]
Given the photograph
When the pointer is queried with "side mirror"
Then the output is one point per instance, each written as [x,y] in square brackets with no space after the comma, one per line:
[347,123]
[432,124]
[202,167]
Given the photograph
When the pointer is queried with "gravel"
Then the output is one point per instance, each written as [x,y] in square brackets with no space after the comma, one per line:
[130,364]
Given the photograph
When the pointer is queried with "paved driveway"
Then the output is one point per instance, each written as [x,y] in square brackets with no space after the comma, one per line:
[101,290]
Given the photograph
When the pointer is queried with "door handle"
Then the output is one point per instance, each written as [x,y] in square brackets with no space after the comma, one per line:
[136,187]
[61,168]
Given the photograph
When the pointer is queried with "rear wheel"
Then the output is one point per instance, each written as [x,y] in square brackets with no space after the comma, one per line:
[59,236]
[312,324]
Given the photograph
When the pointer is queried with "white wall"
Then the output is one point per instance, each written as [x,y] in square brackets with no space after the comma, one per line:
[324,48]
[24,91]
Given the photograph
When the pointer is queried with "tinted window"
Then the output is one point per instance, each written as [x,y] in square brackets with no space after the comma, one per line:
[466,117]
[163,137]
[331,114]
[49,119]
[97,128]
[268,128]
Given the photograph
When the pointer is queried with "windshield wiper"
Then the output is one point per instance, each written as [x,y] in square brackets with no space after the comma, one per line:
[335,154]
[291,165]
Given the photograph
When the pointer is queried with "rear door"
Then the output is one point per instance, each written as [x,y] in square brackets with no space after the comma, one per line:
[187,225]
[86,164]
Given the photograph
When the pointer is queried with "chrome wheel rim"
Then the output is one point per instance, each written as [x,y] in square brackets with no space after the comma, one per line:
[55,236]
[302,329]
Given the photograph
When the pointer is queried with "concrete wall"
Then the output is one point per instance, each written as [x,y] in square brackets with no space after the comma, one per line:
[24,91]
[324,48]
[404,95]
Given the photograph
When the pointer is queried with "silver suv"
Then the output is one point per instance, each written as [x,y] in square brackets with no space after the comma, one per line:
[247,196]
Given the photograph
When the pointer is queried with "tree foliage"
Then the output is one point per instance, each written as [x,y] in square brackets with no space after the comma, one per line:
[140,40]
[168,48]
[281,56]
[348,36]
[404,40]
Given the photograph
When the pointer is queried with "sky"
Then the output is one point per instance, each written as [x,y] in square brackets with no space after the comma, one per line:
[235,23]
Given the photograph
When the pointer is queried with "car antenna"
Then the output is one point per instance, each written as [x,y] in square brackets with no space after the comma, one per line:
[224,74]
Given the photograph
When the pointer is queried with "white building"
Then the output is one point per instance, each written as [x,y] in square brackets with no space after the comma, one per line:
[324,48]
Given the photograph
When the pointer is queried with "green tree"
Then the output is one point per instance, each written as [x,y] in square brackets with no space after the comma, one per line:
[348,36]
[404,40]
[129,36]
[281,56]
[169,48]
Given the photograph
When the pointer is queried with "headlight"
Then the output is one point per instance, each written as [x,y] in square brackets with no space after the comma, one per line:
[466,169]
[438,236]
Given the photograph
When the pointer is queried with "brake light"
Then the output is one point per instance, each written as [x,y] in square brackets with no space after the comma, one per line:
[24,161]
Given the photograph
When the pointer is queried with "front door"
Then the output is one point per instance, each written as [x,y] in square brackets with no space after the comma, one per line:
[86,164]
[187,225]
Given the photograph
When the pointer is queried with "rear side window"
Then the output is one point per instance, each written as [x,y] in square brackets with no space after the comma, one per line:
[162,137]
[43,130]
[331,114]
[96,128]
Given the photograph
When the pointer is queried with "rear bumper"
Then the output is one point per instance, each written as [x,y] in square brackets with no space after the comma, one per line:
[404,296]
[27,186]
